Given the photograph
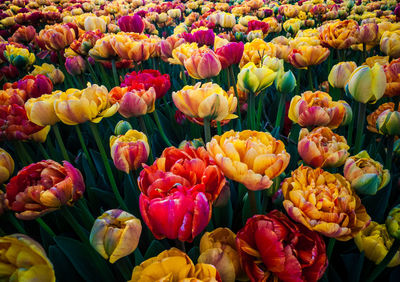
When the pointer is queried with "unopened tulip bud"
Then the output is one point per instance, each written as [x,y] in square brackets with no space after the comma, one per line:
[388,123]
[6,166]
[285,82]
[340,74]
[75,65]
[393,222]
[122,127]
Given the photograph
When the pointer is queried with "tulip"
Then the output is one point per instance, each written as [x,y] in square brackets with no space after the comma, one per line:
[254,34]
[201,37]
[381,60]
[230,54]
[168,45]
[55,75]
[90,104]
[41,110]
[254,80]
[202,63]
[340,34]
[131,24]
[219,249]
[19,57]
[365,175]
[226,20]
[250,157]
[388,123]
[392,72]
[390,43]
[292,25]
[133,102]
[173,265]
[95,23]
[317,109]
[178,191]
[24,35]
[102,49]
[393,222]
[273,247]
[75,65]
[6,166]
[340,74]
[85,42]
[273,63]
[115,234]
[43,187]
[368,33]
[367,85]
[41,135]
[130,48]
[149,78]
[285,82]
[35,86]
[122,127]
[58,36]
[375,242]
[320,200]
[322,148]
[255,50]
[129,151]
[372,118]
[12,96]
[24,259]
[305,56]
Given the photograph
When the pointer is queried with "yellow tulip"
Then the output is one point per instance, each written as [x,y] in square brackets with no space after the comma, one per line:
[253,79]
[6,166]
[390,43]
[93,23]
[182,52]
[41,110]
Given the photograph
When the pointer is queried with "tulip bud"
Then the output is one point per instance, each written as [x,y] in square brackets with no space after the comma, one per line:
[273,63]
[57,76]
[75,65]
[196,143]
[253,79]
[393,222]
[388,123]
[93,23]
[340,74]
[115,234]
[285,82]
[6,166]
[122,127]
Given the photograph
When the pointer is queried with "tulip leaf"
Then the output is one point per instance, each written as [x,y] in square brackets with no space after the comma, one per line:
[64,270]
[103,196]
[354,265]
[95,267]
[89,175]
[246,212]
[138,256]
[376,204]
[194,253]
[154,249]
[131,193]
[223,215]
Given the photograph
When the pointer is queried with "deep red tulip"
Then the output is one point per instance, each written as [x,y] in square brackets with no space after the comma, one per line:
[178,191]
[131,24]
[201,37]
[258,25]
[35,86]
[273,245]
[10,72]
[230,54]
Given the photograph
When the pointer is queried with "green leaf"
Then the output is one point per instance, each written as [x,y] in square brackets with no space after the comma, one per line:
[223,216]
[131,193]
[64,270]
[103,196]
[354,265]
[194,253]
[154,249]
[138,257]
[94,267]
[98,162]
[246,211]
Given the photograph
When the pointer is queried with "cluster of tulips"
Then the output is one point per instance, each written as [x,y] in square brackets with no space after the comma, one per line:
[231,140]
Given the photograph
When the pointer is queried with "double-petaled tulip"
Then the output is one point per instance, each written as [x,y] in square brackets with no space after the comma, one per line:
[340,34]
[95,23]
[201,37]
[178,191]
[375,242]
[24,34]
[174,265]
[367,85]
[75,65]
[292,26]
[226,20]
[218,248]
[129,150]
[13,96]
[253,79]
[6,166]
[134,100]
[257,49]
[86,41]
[318,109]
[131,24]
[76,106]
[14,124]
[41,110]
[230,54]
[102,49]
[340,74]
[388,123]
[322,148]
[205,101]
[59,36]
[24,259]
[381,60]
[43,187]
[368,34]
[272,247]
[149,78]
[392,72]
[393,222]
[324,202]
[56,75]
[182,52]
[250,157]
[35,86]
[305,56]
[168,45]
[390,43]
[203,63]
[365,175]
[115,234]
[132,47]
[19,57]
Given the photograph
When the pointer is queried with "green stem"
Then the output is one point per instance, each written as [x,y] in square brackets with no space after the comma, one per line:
[114,71]
[259,109]
[360,123]
[253,201]
[143,127]
[207,130]
[161,129]
[180,245]
[45,227]
[298,81]
[14,221]
[250,112]
[43,151]
[24,152]
[233,81]
[310,79]
[183,75]
[388,258]
[389,153]
[281,107]
[92,73]
[331,244]
[124,269]
[74,224]
[219,129]
[104,75]
[84,148]
[95,131]
[60,142]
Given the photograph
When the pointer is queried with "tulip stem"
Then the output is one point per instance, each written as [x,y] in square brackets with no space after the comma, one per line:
[389,153]
[161,129]
[331,245]
[219,129]
[16,223]
[250,112]
[84,148]
[233,81]
[183,75]
[360,123]
[114,71]
[95,131]
[24,153]
[310,78]
[104,75]
[43,151]
[92,73]
[180,245]
[387,259]
[207,130]
[45,227]
[259,109]
[253,201]
[123,267]
[298,81]
[281,106]
[74,224]
[143,127]
[60,142]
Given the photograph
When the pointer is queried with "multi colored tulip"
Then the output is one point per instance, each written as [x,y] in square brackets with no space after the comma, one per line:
[6,166]
[340,74]
[306,56]
[255,79]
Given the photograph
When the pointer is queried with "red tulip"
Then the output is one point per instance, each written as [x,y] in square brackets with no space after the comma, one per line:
[34,85]
[149,78]
[258,25]
[42,187]
[230,54]
[272,244]
[201,37]
[131,24]
[178,191]
[10,72]
[23,34]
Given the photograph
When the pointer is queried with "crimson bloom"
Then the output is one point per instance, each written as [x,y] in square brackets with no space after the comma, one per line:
[43,187]
[201,37]
[258,25]
[34,85]
[149,78]
[272,245]
[230,54]
[178,191]
[131,24]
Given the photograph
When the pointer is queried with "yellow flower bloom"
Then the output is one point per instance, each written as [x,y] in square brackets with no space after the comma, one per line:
[76,106]
[340,74]
[41,110]
[390,43]
[6,166]
[250,157]
[182,52]
[253,79]
[19,57]
[23,259]
[255,50]
[305,56]
[93,23]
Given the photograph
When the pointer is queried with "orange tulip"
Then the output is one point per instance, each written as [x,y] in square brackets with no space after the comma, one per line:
[203,63]
[340,34]
[305,56]
[392,72]
[57,37]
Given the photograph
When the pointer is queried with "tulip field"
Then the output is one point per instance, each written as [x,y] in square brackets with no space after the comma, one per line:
[188,141]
